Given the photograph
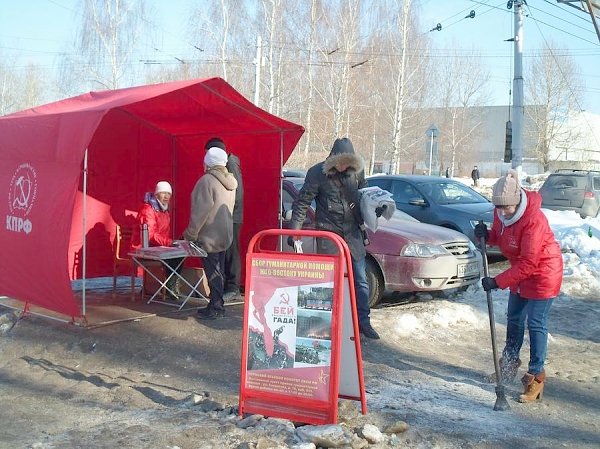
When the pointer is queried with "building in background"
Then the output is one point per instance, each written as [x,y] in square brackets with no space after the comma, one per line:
[476,136]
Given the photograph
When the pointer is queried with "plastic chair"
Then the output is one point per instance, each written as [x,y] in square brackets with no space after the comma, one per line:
[121,258]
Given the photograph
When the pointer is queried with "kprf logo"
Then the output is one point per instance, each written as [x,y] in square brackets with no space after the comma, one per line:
[21,197]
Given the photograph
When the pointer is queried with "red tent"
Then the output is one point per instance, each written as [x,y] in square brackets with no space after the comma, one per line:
[134,137]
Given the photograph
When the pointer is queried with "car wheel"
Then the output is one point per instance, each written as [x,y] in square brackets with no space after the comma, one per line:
[375,280]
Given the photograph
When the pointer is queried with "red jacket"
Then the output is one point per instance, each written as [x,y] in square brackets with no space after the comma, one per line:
[159,227]
[536,264]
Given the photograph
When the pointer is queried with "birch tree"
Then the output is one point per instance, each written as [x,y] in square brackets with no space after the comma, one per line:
[400,74]
[554,89]
[109,34]
[310,73]
[20,87]
[462,81]
[223,32]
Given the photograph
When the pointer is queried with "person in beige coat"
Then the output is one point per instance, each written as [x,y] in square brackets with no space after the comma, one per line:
[211,224]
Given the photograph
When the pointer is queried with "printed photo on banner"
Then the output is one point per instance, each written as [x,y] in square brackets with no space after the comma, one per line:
[289,326]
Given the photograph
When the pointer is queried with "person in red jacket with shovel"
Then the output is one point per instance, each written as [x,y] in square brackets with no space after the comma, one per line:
[522,233]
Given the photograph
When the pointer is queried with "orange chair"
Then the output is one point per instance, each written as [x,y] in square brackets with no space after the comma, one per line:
[121,258]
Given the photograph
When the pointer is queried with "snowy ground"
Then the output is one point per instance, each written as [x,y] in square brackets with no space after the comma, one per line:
[128,385]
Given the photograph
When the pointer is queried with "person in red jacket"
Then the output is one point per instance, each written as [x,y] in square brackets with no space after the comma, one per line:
[155,213]
[522,233]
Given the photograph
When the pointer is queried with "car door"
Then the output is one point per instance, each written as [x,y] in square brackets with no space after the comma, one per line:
[288,195]
[409,200]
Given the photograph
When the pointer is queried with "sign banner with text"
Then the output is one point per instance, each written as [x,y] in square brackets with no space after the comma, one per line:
[289,326]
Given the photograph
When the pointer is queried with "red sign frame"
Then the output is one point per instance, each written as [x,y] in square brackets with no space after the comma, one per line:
[294,335]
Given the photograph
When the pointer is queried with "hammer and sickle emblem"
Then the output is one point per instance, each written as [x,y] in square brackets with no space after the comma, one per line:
[22,192]
[285,299]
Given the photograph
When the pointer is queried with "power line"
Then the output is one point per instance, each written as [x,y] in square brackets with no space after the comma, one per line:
[559,66]
[567,11]
[563,31]
[562,20]
[441,27]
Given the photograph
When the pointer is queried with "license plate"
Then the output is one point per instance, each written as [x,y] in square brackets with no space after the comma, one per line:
[467,269]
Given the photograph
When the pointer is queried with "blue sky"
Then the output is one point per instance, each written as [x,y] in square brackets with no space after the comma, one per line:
[570,31]
[37,30]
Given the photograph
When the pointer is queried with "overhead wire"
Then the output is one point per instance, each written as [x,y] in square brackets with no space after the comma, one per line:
[568,11]
[563,31]
[463,18]
[149,22]
[562,19]
[560,69]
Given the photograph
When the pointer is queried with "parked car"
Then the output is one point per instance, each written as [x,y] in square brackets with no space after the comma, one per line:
[404,255]
[576,190]
[293,173]
[439,201]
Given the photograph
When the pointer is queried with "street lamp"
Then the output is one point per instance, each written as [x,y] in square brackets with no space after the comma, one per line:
[432,132]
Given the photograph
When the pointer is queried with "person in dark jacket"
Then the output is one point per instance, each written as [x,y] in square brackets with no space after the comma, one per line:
[233,265]
[521,231]
[475,176]
[334,185]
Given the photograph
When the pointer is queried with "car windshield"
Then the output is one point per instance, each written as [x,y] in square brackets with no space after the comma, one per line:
[566,181]
[451,193]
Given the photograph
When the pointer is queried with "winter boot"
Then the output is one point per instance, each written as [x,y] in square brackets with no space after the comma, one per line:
[534,387]
[508,369]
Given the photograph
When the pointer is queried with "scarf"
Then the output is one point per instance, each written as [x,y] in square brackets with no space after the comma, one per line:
[517,215]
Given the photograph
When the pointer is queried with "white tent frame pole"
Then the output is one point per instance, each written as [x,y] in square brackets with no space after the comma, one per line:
[84,227]
[281,187]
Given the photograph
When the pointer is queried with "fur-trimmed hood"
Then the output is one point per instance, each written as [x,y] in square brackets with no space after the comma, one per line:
[343,152]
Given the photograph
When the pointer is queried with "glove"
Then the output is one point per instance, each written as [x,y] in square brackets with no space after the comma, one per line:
[481,230]
[489,284]
[379,210]
[290,241]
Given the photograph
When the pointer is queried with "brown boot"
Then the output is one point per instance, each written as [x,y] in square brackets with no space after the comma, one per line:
[534,387]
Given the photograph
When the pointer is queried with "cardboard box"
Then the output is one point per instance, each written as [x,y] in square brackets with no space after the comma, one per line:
[192,275]
[150,285]
[188,273]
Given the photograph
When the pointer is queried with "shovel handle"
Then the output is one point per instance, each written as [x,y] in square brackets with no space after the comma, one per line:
[490,304]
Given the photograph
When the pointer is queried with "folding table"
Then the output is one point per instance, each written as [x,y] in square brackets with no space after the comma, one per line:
[162,254]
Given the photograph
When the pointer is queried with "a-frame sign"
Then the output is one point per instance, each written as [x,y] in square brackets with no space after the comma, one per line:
[300,345]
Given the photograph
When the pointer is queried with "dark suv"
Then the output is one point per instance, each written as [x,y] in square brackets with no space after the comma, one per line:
[576,190]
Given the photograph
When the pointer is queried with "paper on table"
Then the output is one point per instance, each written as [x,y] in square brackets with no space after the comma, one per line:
[191,248]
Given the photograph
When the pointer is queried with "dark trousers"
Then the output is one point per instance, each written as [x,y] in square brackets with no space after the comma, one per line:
[213,269]
[233,265]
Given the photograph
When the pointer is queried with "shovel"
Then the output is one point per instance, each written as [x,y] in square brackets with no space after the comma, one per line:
[501,402]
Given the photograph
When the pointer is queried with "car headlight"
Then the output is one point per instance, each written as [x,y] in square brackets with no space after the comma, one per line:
[422,250]
[472,246]
[476,222]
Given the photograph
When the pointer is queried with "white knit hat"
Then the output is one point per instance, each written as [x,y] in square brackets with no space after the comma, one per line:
[163,186]
[215,156]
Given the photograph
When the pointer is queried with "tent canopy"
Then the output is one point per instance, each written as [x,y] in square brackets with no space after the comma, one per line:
[135,137]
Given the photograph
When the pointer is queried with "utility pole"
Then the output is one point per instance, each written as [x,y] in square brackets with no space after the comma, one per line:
[518,111]
[258,64]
